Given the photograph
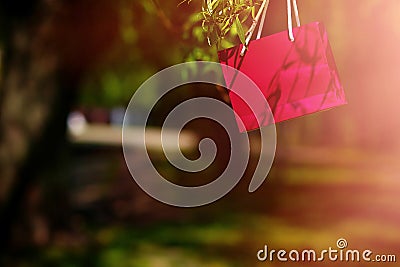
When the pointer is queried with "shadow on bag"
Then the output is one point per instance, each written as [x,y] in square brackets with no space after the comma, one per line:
[296,77]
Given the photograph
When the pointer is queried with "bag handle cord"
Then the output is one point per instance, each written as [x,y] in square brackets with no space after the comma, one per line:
[296,13]
[263,12]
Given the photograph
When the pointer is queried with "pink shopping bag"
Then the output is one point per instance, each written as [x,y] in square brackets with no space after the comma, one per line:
[296,78]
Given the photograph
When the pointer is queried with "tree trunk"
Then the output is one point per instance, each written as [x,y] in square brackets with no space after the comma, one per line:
[28,92]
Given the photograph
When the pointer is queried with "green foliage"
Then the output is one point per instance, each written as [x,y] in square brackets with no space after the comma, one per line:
[167,35]
[136,54]
[221,17]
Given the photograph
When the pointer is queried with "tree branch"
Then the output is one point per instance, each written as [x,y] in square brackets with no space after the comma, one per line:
[167,23]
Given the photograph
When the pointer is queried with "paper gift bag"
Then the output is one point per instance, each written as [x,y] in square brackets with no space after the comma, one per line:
[296,78]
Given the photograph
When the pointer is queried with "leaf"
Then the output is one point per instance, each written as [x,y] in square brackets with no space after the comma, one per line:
[221,17]
[226,24]
[213,5]
[188,1]
[245,14]
[240,30]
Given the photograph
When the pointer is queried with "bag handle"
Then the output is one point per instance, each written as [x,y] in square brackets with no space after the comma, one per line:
[264,14]
[263,11]
[296,13]
[249,34]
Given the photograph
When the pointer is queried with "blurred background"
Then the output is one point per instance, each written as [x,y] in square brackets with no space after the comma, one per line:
[68,70]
